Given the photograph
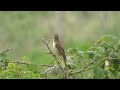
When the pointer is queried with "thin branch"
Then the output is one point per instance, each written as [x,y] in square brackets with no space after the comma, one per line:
[54,56]
[4,51]
[90,64]
[27,63]
[49,49]
[48,41]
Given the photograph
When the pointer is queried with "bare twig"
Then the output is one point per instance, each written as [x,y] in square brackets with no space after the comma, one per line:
[49,49]
[4,51]
[54,56]
[27,63]
[48,41]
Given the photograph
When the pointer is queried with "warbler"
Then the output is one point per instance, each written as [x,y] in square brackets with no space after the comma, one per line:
[58,47]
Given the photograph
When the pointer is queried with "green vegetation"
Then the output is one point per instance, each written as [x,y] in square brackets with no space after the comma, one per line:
[90,64]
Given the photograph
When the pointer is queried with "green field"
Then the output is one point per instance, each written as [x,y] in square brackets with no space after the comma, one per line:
[22,31]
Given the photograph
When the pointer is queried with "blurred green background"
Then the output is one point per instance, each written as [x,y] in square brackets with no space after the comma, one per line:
[22,31]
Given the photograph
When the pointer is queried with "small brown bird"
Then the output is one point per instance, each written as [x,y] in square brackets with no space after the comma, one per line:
[58,47]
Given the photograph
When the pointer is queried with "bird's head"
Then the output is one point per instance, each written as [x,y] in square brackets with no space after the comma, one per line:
[56,37]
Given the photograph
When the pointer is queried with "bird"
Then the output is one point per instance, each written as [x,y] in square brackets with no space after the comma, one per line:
[58,47]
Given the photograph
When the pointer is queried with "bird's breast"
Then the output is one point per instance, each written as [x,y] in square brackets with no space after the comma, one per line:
[55,49]
[53,45]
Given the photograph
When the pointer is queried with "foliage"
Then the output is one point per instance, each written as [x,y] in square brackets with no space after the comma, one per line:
[100,61]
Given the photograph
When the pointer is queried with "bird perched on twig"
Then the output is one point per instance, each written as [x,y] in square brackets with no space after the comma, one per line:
[58,47]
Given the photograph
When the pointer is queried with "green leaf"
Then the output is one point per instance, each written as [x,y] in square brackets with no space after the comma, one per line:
[56,70]
[80,53]
[19,68]
[71,50]
[3,57]
[32,68]
[90,76]
[105,39]
[106,74]
[91,54]
[97,56]
[37,75]
[11,66]
[70,63]
[98,73]
[118,55]
[49,70]
[71,66]
[52,62]
[25,58]
[29,72]
[107,52]
[69,60]
[7,73]
[118,46]
[114,72]
[100,50]
[93,48]
[110,75]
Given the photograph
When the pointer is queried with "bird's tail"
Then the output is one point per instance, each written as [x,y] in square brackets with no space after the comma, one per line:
[64,58]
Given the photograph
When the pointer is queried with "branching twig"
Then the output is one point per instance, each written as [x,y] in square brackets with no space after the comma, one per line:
[4,51]
[49,49]
[54,56]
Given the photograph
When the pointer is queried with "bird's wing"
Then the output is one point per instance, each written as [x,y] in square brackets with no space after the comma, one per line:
[60,48]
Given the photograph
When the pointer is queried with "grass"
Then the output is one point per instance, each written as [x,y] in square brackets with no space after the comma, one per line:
[22,31]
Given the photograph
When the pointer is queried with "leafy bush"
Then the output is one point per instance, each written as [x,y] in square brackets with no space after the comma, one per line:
[100,61]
